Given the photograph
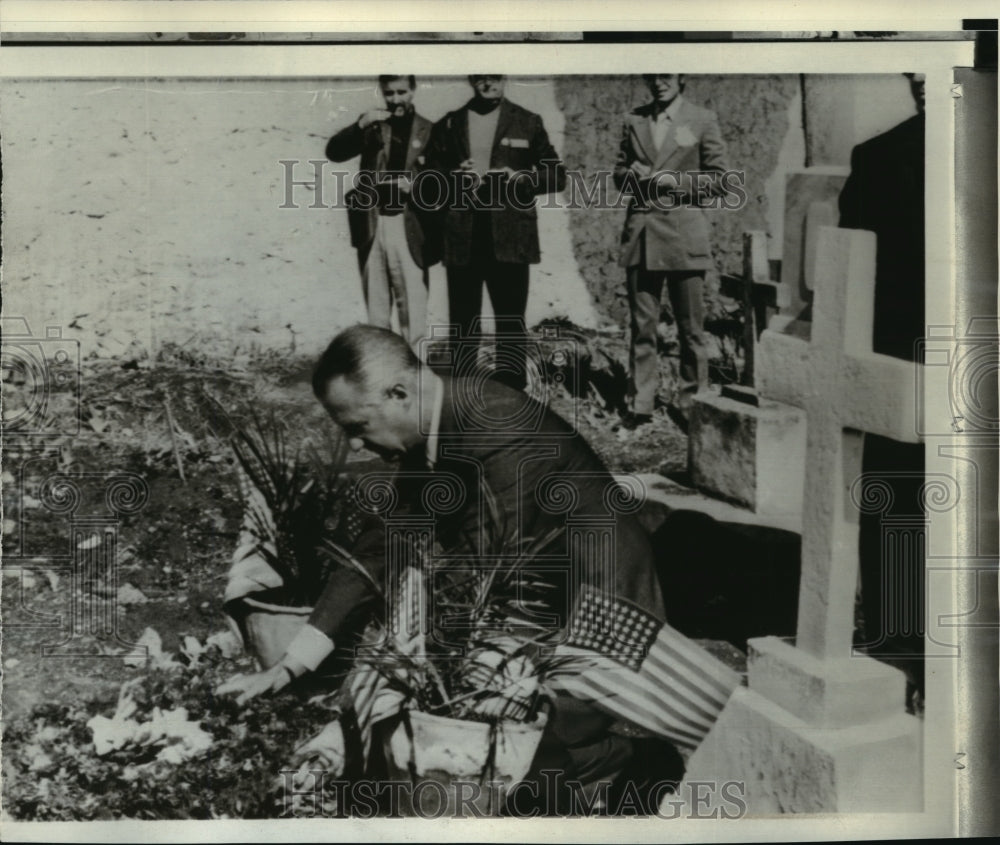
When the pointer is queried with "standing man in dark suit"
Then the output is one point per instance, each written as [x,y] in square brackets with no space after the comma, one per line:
[884,194]
[436,427]
[666,146]
[497,158]
[387,230]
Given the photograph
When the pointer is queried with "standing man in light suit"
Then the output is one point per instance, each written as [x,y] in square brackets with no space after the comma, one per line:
[390,235]
[671,159]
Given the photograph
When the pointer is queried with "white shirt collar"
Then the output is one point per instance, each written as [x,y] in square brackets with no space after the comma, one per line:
[670,112]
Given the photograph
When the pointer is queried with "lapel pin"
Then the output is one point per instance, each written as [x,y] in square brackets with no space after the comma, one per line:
[685,137]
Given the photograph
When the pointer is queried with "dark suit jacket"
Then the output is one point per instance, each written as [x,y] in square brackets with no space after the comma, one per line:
[372,144]
[675,238]
[518,466]
[885,194]
[522,144]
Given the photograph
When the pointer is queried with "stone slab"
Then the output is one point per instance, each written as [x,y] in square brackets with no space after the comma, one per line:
[783,765]
[752,456]
[659,490]
[827,693]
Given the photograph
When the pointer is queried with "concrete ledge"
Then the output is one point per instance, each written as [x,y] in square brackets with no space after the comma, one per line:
[783,765]
[674,497]
[824,693]
[751,455]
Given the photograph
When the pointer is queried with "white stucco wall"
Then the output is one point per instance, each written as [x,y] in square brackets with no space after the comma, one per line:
[151,210]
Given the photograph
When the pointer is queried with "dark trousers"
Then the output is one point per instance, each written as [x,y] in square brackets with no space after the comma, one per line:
[580,756]
[892,548]
[645,288]
[507,284]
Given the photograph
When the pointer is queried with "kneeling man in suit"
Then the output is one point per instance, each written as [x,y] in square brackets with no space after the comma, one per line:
[628,676]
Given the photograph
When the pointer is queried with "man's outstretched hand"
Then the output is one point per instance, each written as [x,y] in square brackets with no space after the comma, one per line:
[250,686]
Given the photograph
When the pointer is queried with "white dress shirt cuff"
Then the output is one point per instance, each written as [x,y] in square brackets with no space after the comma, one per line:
[309,648]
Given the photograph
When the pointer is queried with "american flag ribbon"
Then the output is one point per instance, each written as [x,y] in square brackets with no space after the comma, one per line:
[635,667]
[370,692]
[373,700]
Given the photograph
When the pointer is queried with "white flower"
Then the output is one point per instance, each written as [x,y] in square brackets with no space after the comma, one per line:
[192,742]
[40,760]
[111,734]
[154,653]
[129,594]
[186,739]
[192,649]
[685,137]
[227,642]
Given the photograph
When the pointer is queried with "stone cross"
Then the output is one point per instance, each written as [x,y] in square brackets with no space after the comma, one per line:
[757,293]
[819,729]
[845,390]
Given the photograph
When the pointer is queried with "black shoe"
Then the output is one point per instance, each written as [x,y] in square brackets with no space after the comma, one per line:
[632,421]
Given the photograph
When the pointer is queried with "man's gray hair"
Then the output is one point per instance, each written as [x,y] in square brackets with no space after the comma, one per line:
[358,351]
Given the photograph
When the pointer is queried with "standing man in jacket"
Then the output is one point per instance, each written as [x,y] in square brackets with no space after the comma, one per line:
[671,159]
[885,194]
[497,158]
[394,250]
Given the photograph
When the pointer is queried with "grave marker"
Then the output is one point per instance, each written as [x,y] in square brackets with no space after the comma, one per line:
[742,448]
[820,730]
[845,390]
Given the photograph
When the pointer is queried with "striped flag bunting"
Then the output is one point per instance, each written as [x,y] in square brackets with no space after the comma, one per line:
[639,669]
